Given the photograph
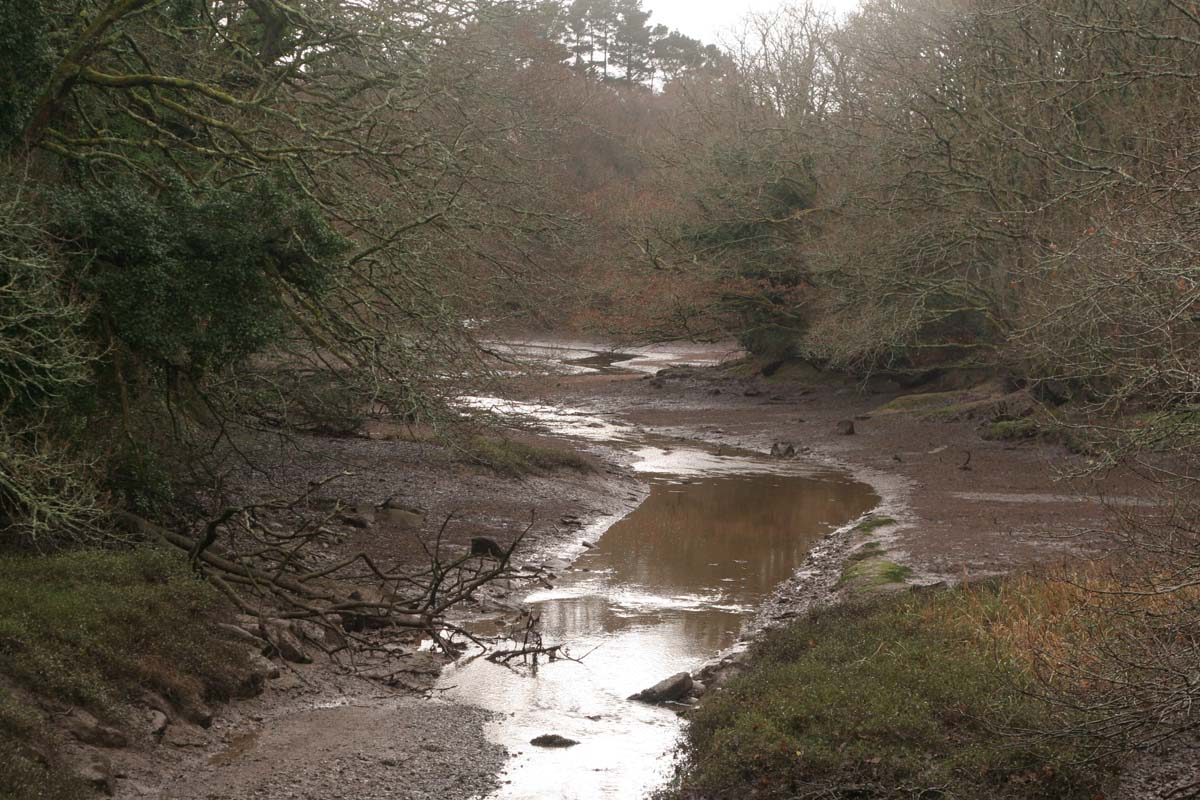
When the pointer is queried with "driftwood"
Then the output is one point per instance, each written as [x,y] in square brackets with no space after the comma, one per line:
[270,573]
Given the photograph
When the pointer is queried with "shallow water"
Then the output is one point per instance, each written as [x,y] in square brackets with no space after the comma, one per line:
[664,590]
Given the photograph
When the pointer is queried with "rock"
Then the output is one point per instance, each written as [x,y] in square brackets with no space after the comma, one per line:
[406,518]
[157,702]
[356,519]
[698,689]
[672,688]
[96,770]
[259,670]
[240,634]
[845,427]
[752,392]
[588,545]
[552,740]
[89,730]
[484,546]
[195,712]
[286,644]
[783,450]
[323,636]
[157,722]
[183,734]
[714,392]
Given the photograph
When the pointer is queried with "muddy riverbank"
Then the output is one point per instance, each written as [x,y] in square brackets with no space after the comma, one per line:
[1010,508]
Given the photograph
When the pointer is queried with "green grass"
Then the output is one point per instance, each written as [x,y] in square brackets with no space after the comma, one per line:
[867,571]
[924,401]
[881,700]
[1012,430]
[511,457]
[873,523]
[93,629]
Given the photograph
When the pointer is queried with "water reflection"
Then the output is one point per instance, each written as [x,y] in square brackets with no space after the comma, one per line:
[666,589]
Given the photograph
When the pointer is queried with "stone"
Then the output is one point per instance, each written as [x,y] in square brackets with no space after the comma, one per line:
[673,688]
[184,734]
[356,519]
[783,450]
[484,546]
[845,427]
[97,771]
[259,670]
[588,545]
[157,722]
[552,740]
[286,644]
[89,730]
[239,634]
[195,712]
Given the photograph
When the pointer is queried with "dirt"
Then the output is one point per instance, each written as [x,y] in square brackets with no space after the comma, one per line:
[320,732]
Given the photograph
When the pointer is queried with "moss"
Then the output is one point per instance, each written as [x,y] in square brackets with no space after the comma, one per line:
[511,457]
[886,699]
[1012,430]
[872,572]
[873,523]
[923,402]
[868,550]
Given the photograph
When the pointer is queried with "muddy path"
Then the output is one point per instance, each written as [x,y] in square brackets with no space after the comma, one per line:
[322,732]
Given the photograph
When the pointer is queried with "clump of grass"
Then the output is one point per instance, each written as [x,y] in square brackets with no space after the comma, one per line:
[924,401]
[92,628]
[895,698]
[870,572]
[873,523]
[515,458]
[868,550]
[1009,430]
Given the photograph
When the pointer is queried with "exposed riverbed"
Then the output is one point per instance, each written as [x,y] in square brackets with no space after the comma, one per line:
[664,589]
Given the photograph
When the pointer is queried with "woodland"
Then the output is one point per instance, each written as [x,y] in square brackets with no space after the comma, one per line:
[227,218]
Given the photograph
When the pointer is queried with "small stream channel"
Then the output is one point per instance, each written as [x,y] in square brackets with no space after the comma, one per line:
[664,589]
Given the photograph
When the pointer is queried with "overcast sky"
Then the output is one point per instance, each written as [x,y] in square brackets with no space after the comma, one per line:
[706,19]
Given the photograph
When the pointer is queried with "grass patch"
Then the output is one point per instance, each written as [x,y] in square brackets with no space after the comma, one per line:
[515,458]
[896,698]
[93,629]
[925,401]
[873,523]
[868,550]
[869,572]
[1010,430]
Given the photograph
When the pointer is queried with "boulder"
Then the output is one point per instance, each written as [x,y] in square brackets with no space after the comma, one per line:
[845,427]
[673,688]
[783,450]
[239,634]
[285,642]
[89,730]
[552,740]
[157,722]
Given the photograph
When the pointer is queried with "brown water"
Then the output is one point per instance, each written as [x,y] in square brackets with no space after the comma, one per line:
[666,589]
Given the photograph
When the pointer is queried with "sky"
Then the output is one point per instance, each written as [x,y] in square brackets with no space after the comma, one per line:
[706,19]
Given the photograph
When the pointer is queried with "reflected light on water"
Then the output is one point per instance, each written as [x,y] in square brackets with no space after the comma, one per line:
[666,589]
